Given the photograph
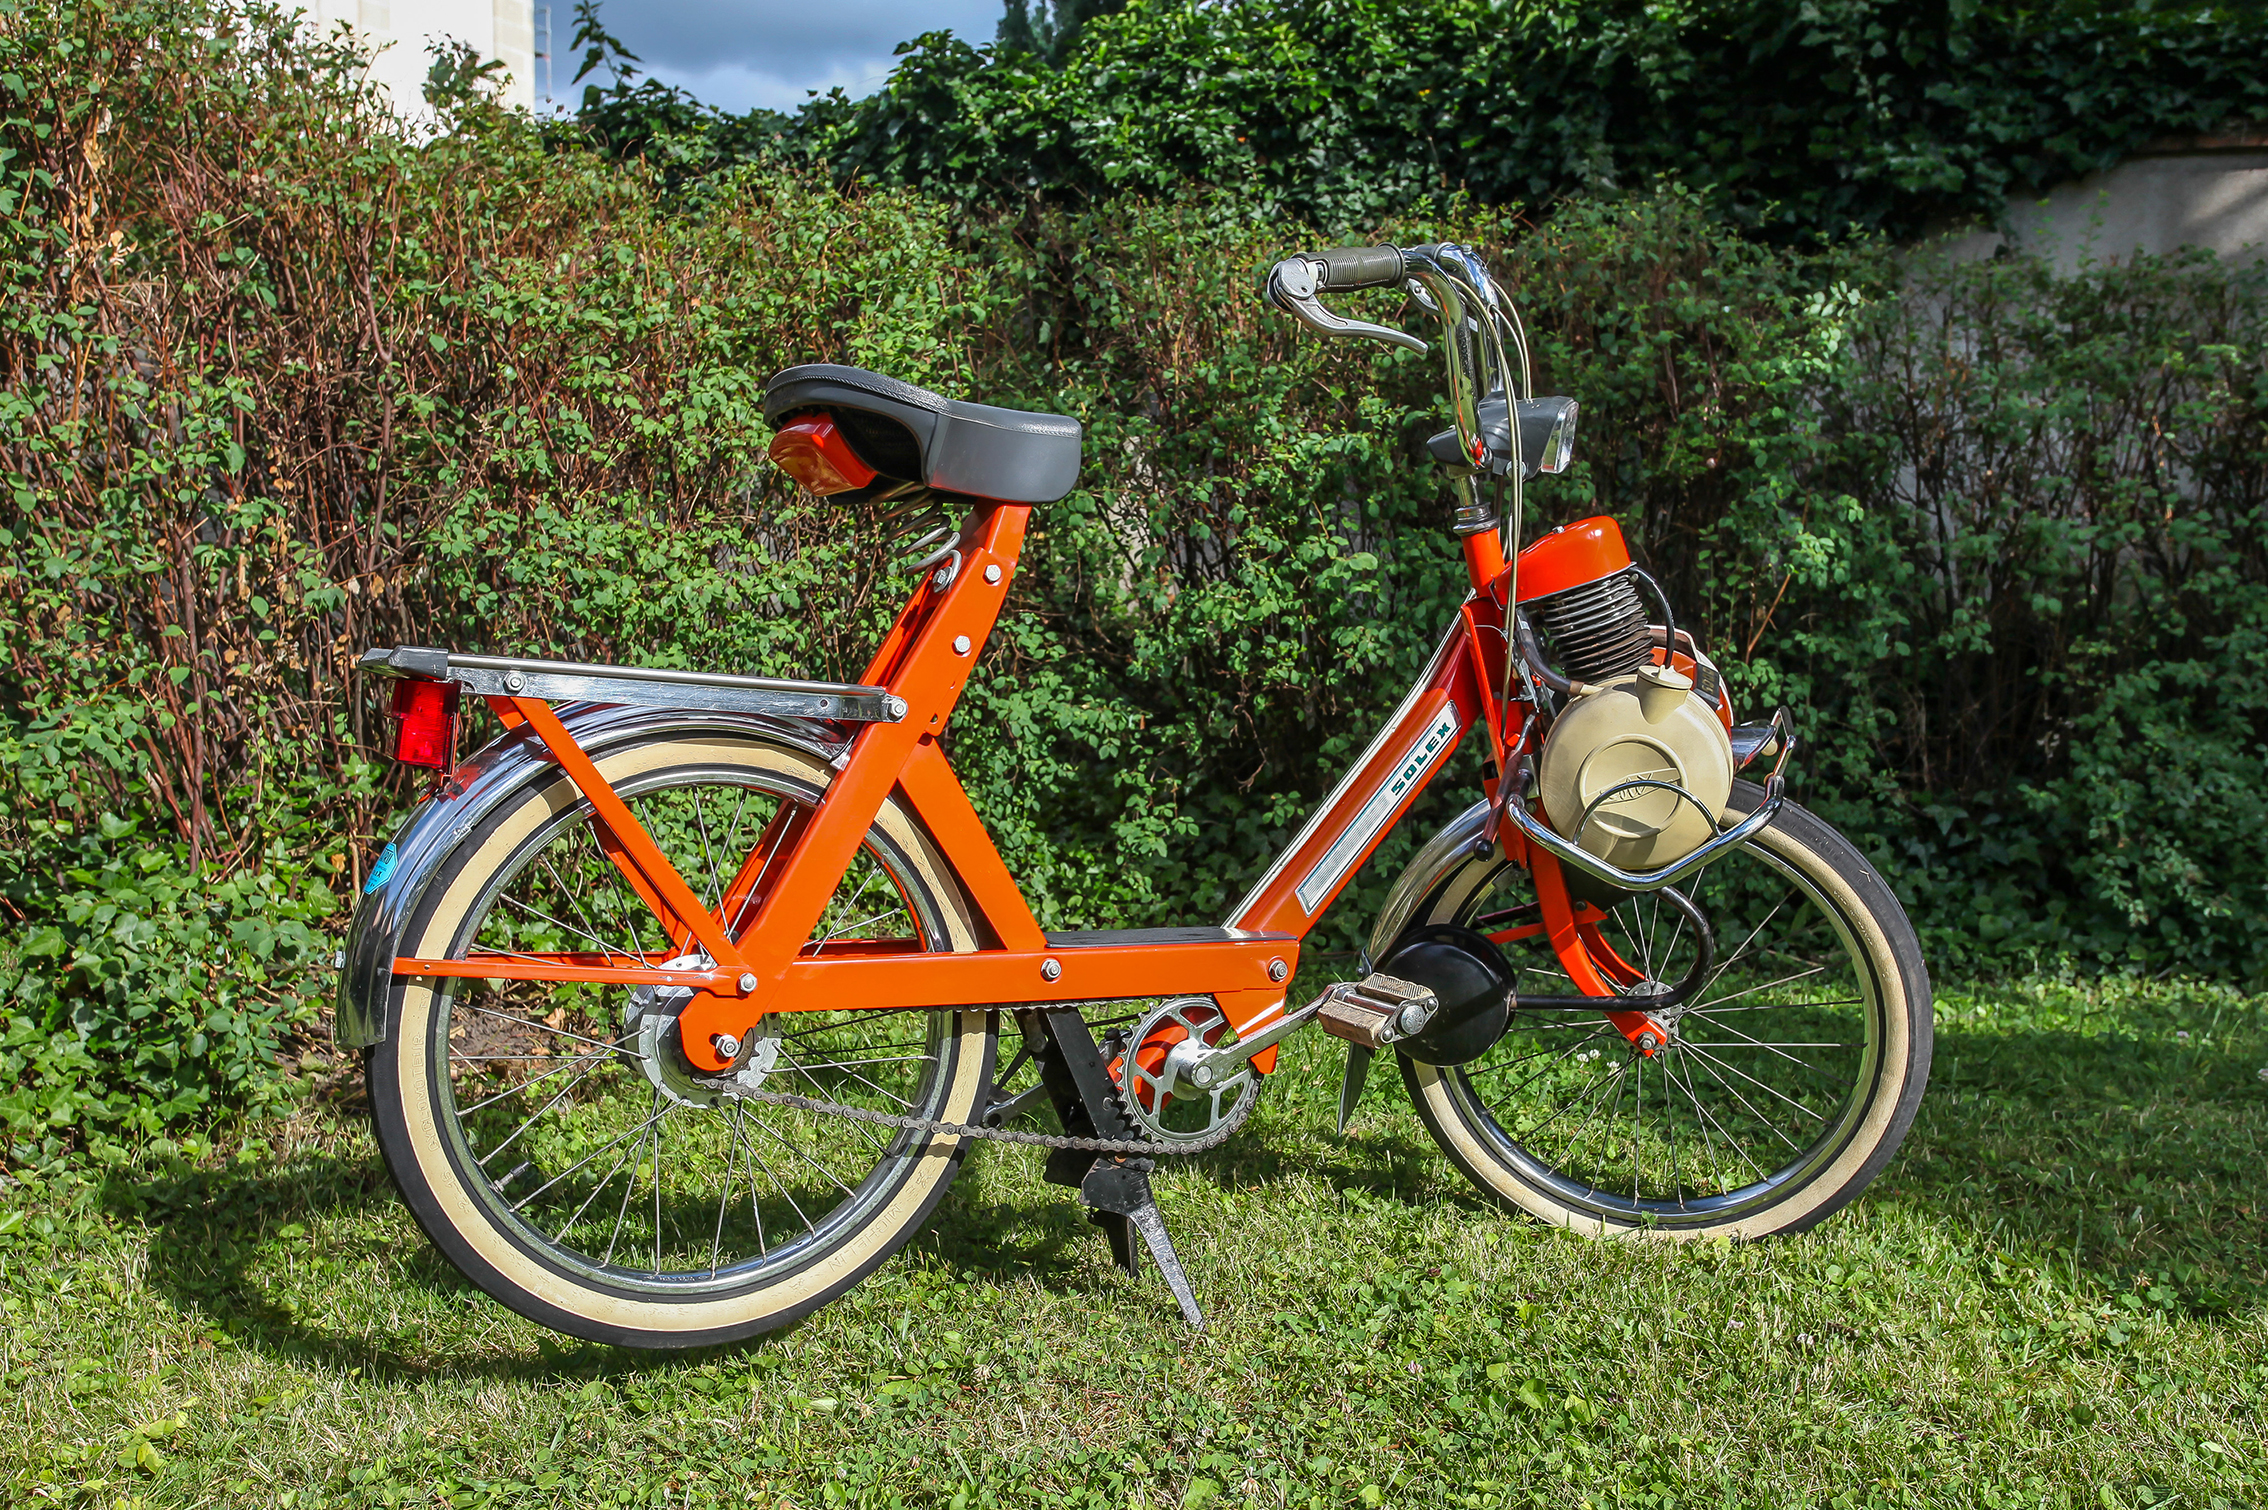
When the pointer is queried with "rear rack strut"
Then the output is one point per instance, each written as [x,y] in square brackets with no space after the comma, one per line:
[638,686]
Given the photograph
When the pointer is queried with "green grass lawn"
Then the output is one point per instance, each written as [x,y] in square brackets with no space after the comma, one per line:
[2058,1295]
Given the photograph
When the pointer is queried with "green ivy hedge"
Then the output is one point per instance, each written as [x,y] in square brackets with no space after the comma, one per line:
[1795,118]
[281,383]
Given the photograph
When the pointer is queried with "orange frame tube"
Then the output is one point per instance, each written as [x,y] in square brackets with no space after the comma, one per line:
[762,963]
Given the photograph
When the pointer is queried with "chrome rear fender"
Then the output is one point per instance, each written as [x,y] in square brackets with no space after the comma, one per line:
[407,865]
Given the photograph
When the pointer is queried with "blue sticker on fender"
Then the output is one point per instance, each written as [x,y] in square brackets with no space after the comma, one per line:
[383,871]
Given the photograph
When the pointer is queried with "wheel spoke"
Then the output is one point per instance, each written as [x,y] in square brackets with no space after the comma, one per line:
[813,1081]
[847,927]
[708,854]
[755,1210]
[771,840]
[1707,1121]
[1766,986]
[1735,957]
[777,1183]
[540,1027]
[837,1027]
[557,1097]
[797,1149]
[1637,1118]
[1669,1122]
[630,1188]
[595,1189]
[1752,1080]
[1613,1109]
[724,1201]
[1780,1006]
[1734,1091]
[844,1064]
[1713,1121]
[594,1058]
[555,1179]
[657,1194]
[534,1084]
[1575,1047]
[1613,1075]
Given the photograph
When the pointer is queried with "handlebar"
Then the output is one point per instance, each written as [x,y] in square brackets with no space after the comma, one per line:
[1351,267]
[1483,346]
[1484,350]
[1477,322]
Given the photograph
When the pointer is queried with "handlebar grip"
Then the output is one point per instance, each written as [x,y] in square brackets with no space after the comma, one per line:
[1347,267]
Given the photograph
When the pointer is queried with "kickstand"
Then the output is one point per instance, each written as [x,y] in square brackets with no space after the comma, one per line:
[1072,1068]
[1119,1190]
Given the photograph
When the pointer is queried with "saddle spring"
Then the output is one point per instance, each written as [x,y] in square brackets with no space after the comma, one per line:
[919,515]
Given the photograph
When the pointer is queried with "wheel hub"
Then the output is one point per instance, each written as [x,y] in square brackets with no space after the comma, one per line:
[1659,1030]
[654,1011]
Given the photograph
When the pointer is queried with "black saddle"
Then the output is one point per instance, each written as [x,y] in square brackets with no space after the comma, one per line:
[908,434]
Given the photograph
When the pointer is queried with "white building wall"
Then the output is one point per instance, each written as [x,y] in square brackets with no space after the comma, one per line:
[400,31]
[2210,192]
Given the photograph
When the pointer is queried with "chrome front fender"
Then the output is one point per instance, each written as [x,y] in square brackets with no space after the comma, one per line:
[407,865]
[1457,845]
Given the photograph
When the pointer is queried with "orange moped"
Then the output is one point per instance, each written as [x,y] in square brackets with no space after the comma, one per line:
[681,1000]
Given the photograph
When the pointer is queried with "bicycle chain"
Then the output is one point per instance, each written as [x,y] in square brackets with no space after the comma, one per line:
[1121,1147]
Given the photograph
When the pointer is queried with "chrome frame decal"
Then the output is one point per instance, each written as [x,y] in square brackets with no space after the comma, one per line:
[1340,858]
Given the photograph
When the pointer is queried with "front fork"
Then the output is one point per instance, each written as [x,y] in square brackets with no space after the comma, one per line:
[1583,951]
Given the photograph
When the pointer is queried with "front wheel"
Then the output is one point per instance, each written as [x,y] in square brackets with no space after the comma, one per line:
[1795,1062]
[556,1146]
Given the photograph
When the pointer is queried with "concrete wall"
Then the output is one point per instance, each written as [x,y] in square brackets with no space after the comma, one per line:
[403,29]
[2211,192]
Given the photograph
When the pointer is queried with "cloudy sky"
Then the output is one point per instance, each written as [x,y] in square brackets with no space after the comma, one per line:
[740,53]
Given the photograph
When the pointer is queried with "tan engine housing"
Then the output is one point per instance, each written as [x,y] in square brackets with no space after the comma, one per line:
[1646,725]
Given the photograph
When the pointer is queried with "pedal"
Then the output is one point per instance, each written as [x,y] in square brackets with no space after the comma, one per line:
[1376,1011]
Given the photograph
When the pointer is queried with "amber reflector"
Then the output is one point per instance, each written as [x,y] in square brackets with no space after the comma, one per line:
[427,732]
[814,453]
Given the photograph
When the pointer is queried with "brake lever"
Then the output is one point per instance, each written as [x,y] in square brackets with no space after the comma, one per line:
[1291,288]
[1431,305]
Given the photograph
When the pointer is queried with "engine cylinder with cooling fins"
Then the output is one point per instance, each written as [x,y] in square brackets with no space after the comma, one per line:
[1598,630]
[1636,767]
[1576,582]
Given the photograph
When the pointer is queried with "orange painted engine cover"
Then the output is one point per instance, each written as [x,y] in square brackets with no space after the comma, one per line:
[1572,555]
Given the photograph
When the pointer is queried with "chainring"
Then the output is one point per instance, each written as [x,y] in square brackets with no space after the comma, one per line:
[1150,1075]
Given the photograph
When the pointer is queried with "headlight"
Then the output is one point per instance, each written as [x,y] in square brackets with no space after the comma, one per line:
[1547,433]
[1547,437]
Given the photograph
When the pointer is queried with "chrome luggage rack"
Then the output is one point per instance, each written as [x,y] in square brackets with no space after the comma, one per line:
[638,686]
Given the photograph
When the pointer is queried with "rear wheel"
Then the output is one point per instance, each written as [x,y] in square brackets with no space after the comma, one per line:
[562,1153]
[1792,1070]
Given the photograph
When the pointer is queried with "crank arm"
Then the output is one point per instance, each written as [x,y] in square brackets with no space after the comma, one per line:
[1206,1068]
[1382,1008]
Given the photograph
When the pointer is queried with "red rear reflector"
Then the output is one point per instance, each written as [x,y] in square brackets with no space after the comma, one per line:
[427,735]
[815,453]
